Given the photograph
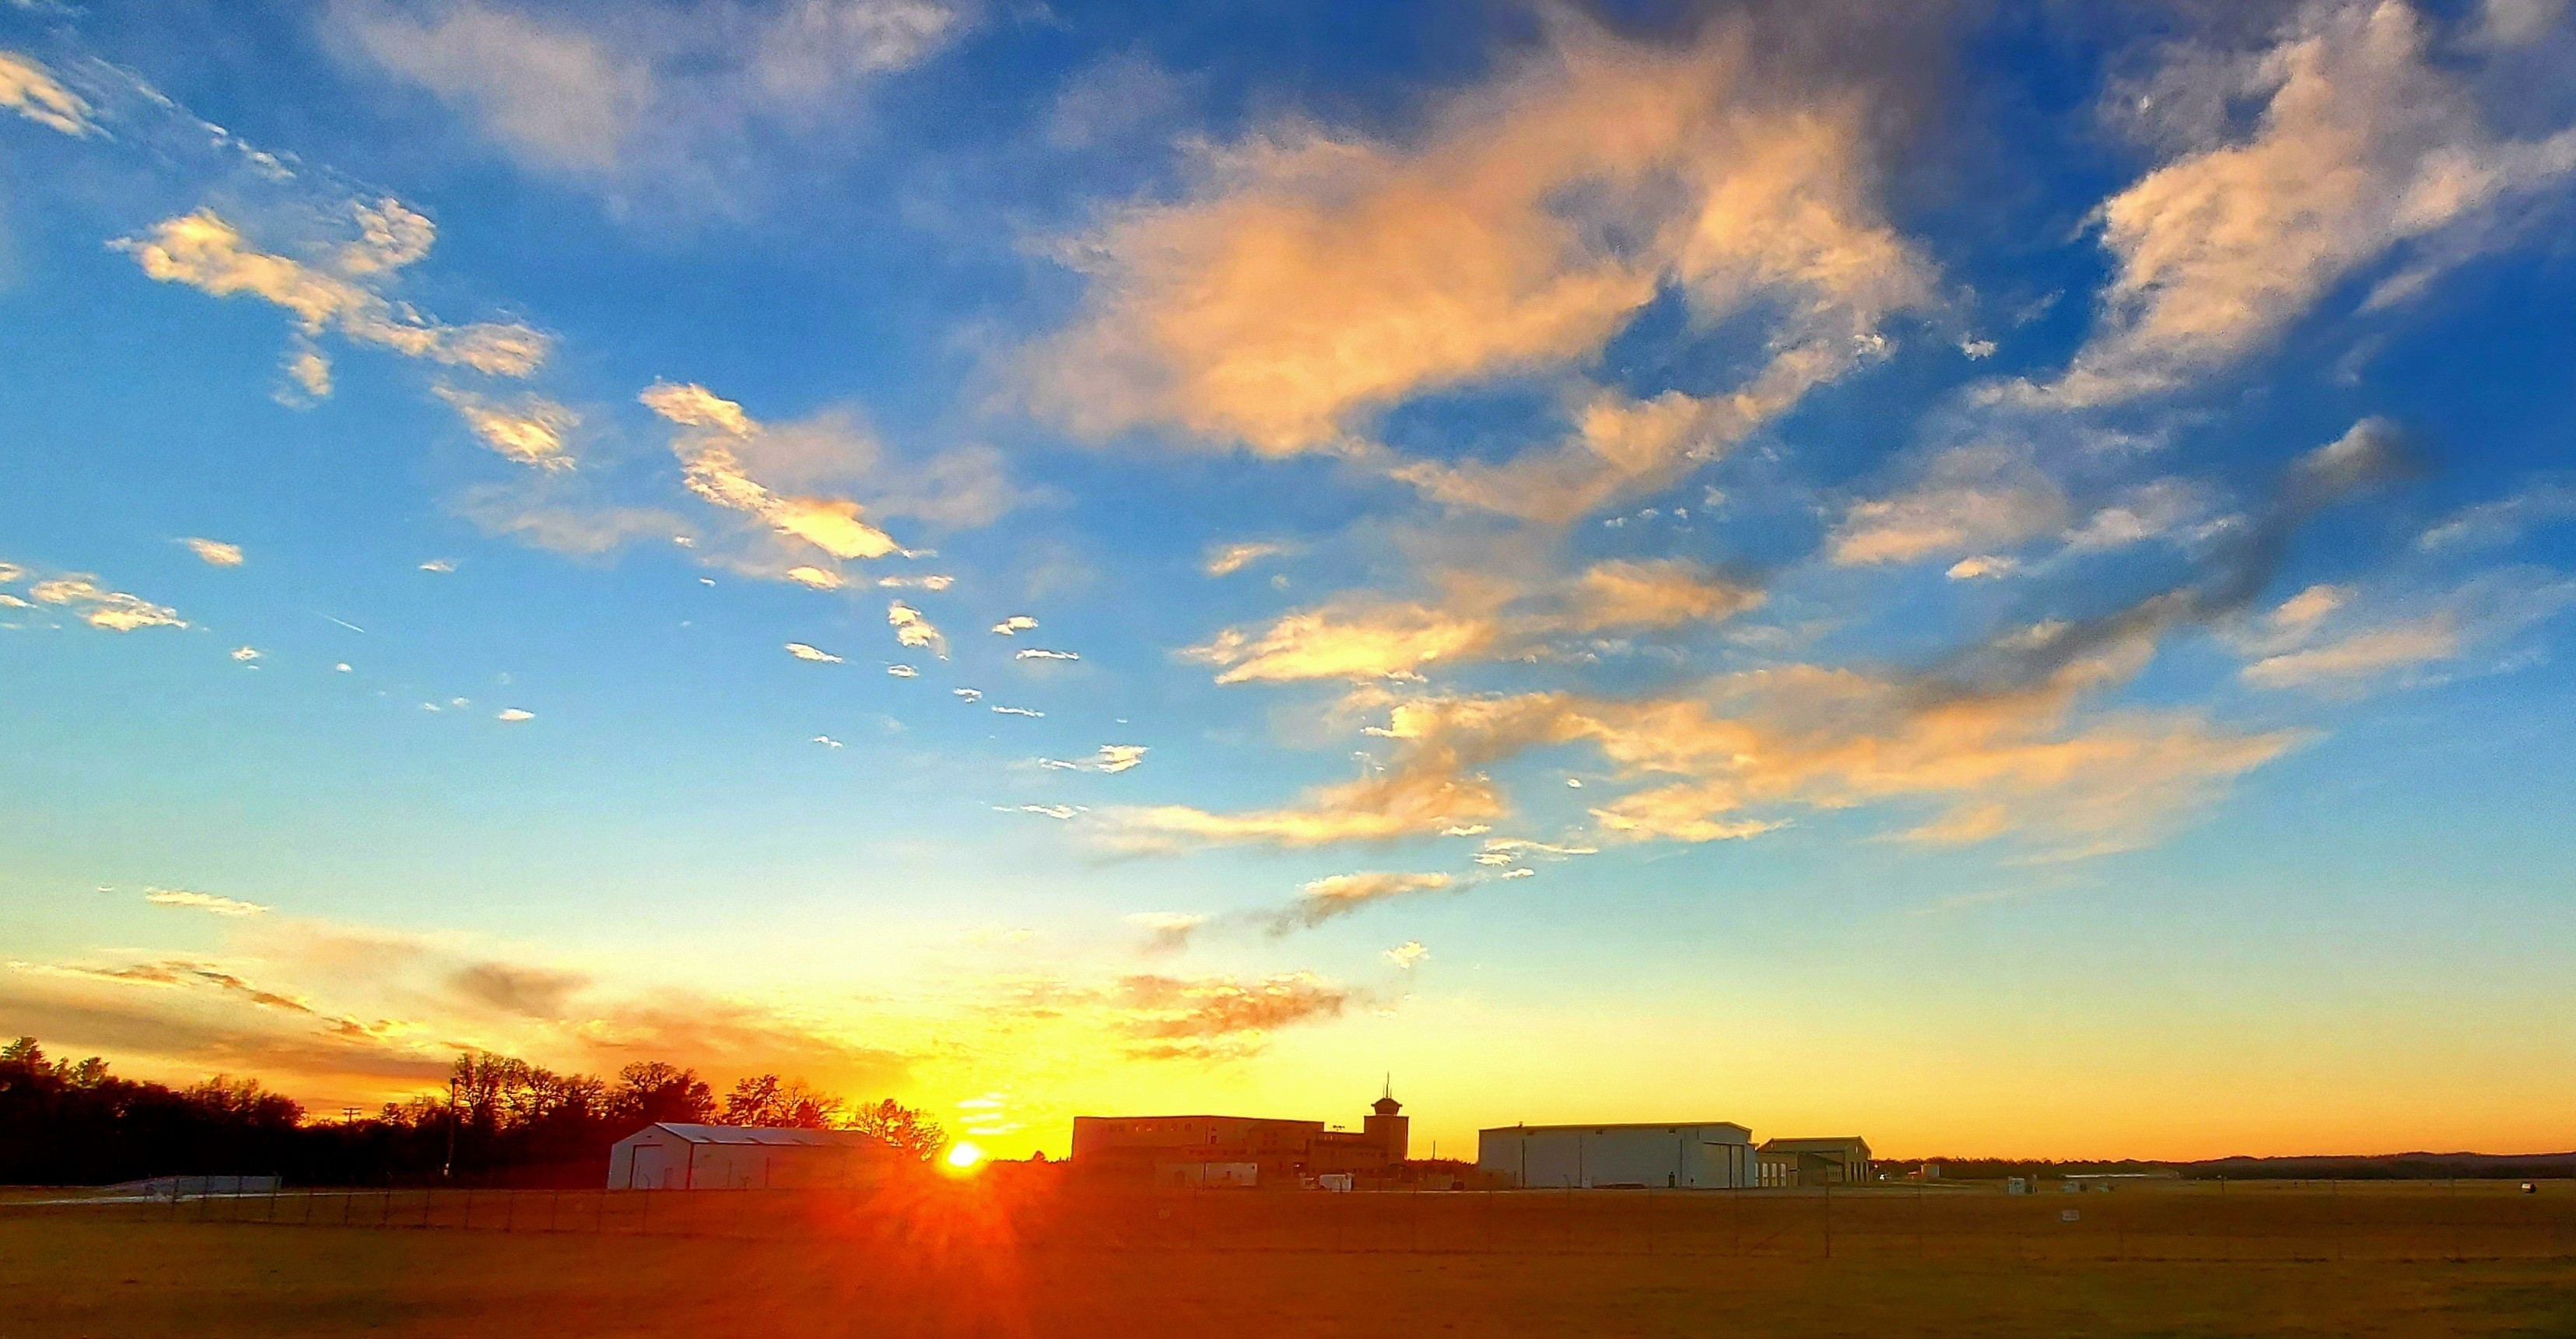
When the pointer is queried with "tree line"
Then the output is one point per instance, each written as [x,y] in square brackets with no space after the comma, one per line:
[499,1121]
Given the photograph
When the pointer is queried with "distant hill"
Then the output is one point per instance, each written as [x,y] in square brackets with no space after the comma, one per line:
[2386,1166]
[2381,1167]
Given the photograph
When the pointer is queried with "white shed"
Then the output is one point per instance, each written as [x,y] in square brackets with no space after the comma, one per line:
[678,1156]
[1716,1155]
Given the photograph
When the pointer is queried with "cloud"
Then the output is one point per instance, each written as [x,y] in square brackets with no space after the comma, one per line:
[1973,498]
[1341,894]
[967,694]
[555,97]
[245,654]
[1166,931]
[206,902]
[439,565]
[2323,639]
[2360,655]
[669,99]
[1015,624]
[2152,510]
[514,715]
[1313,277]
[1112,758]
[912,629]
[1407,955]
[815,577]
[1722,762]
[1174,1009]
[2366,146]
[1982,567]
[530,430]
[530,512]
[535,992]
[1041,653]
[2501,522]
[2303,610]
[1228,559]
[205,252]
[96,605]
[215,552]
[803,652]
[1015,711]
[903,671]
[708,448]
[30,90]
[1480,618]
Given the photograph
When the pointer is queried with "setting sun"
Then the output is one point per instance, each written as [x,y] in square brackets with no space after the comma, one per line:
[965,1157]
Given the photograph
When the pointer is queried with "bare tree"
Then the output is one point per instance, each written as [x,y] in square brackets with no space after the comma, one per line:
[903,1128]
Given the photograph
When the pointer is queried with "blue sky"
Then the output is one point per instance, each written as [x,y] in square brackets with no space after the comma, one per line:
[1996,577]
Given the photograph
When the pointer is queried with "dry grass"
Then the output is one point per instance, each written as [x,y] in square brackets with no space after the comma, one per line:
[963,1262]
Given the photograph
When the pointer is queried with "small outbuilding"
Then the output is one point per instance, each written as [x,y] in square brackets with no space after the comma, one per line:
[1715,1155]
[680,1156]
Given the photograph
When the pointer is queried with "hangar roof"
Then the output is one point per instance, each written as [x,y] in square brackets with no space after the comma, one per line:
[754,1134]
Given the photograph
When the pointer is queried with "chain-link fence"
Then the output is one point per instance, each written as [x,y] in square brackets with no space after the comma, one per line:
[2181,1221]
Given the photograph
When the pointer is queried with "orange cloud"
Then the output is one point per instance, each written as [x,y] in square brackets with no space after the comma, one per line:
[1314,278]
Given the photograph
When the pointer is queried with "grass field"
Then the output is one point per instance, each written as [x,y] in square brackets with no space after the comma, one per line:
[963,1261]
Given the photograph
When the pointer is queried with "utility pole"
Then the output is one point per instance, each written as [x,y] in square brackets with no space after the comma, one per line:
[448,1168]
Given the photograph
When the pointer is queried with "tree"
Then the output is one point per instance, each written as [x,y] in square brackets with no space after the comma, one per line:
[790,1105]
[651,1091]
[902,1128]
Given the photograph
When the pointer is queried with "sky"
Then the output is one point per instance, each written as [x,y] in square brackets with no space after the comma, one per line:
[1993,576]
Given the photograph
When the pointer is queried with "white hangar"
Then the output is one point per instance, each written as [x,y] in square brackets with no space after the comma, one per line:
[675,1155]
[1714,1156]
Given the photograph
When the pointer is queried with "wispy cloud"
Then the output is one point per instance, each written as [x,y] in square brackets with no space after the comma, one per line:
[713,430]
[2366,144]
[670,102]
[215,552]
[80,594]
[803,652]
[1479,617]
[530,430]
[1314,277]
[32,91]
[1341,894]
[206,902]
[1166,931]
[1228,559]
[340,291]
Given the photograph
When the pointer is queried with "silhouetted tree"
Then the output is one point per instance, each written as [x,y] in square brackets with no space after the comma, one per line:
[791,1105]
[907,1130]
[651,1091]
[72,1122]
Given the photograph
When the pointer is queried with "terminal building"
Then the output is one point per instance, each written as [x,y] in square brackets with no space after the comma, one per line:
[1718,1155]
[1242,1150]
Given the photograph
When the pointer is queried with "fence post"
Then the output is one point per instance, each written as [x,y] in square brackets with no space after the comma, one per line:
[644,1223]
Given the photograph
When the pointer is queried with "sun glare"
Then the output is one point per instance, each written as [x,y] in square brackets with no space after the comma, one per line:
[964,1157]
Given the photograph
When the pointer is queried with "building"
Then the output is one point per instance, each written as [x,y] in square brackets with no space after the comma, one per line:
[1241,1150]
[1839,1161]
[1716,1155]
[678,1156]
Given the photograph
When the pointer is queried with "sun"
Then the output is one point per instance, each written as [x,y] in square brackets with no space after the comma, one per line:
[964,1157]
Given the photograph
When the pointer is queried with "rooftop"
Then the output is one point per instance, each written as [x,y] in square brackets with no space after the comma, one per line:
[754,1134]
